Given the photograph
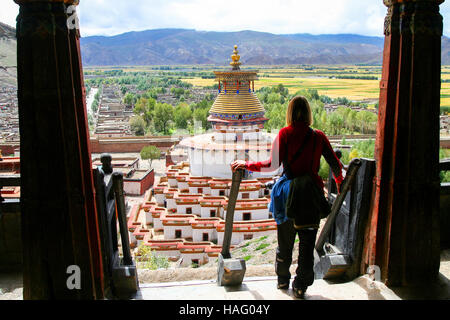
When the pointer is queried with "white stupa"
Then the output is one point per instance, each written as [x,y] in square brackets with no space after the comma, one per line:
[237,118]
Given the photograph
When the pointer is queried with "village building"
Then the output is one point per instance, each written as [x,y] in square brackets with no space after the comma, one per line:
[9,165]
[9,116]
[136,181]
[112,118]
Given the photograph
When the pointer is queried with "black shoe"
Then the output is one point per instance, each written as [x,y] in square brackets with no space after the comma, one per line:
[299,293]
[283,284]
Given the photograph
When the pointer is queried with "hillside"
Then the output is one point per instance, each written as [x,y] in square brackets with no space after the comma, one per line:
[445,51]
[8,53]
[7,31]
[185,46]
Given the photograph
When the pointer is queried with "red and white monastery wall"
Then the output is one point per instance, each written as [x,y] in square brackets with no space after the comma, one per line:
[183,216]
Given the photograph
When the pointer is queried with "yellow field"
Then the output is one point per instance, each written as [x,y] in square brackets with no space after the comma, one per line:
[445,87]
[199,82]
[304,77]
[352,89]
[445,95]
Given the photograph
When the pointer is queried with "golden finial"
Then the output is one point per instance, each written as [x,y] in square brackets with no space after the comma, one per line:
[235,57]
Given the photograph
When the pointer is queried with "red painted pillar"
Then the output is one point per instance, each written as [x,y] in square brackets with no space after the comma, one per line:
[403,235]
[57,198]
[84,138]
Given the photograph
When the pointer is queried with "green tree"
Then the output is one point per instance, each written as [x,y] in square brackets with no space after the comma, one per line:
[182,116]
[276,113]
[162,117]
[335,124]
[367,121]
[351,120]
[273,98]
[150,153]
[137,125]
[91,122]
[178,92]
[145,107]
[153,92]
[94,106]
[148,259]
[201,114]
[129,99]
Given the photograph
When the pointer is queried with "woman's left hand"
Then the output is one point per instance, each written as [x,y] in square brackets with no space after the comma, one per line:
[238,164]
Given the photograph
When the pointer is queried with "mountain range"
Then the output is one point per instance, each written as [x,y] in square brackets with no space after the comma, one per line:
[186,46]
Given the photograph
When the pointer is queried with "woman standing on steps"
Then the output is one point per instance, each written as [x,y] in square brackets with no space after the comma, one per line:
[299,148]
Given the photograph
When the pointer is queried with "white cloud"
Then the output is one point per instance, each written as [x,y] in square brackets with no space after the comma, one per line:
[275,16]
[102,17]
[8,12]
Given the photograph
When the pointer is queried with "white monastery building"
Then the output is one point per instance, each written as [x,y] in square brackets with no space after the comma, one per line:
[183,217]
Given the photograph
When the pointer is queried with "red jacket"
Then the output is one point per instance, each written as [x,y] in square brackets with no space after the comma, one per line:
[292,138]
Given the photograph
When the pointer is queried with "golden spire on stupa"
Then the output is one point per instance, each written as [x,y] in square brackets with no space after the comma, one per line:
[237,99]
[235,57]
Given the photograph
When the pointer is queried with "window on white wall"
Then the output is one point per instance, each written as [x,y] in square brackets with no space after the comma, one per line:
[248,236]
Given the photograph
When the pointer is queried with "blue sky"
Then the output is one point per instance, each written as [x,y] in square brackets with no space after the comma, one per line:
[106,17]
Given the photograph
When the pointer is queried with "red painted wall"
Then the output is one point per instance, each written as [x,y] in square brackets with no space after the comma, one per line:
[118,145]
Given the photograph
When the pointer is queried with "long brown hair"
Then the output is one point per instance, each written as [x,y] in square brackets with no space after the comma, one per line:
[298,109]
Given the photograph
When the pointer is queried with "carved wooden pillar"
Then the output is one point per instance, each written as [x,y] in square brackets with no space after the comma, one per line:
[403,236]
[59,226]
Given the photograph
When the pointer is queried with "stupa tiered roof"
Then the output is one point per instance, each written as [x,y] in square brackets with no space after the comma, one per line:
[236,100]
[237,119]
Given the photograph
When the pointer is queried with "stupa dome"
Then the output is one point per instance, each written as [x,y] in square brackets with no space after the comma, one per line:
[237,119]
[237,99]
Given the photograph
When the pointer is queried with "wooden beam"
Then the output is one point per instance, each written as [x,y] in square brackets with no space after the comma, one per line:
[58,228]
[403,236]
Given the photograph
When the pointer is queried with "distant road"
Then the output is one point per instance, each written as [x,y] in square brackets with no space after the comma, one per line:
[90,100]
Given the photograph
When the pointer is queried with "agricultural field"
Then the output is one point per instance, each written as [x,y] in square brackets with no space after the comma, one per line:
[322,78]
[356,83]
[445,87]
[329,81]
